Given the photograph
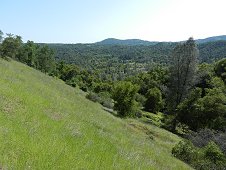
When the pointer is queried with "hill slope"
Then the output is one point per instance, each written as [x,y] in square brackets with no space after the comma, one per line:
[45,124]
[212,39]
[131,42]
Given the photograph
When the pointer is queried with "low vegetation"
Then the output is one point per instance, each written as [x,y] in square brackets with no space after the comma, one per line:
[46,124]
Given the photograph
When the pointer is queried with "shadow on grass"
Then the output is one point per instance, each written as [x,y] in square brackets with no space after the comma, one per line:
[111,111]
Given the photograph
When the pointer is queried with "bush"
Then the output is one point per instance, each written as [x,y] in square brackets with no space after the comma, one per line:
[206,158]
[185,151]
[140,99]
[83,88]
[124,97]
[204,136]
[71,83]
[154,102]
[213,153]
[220,69]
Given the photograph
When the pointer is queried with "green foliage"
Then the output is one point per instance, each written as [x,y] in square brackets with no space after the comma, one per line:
[124,97]
[10,46]
[39,57]
[185,151]
[45,60]
[102,87]
[28,54]
[114,62]
[203,112]
[140,99]
[212,51]
[220,69]
[155,119]
[1,36]
[213,153]
[205,158]
[157,77]
[213,109]
[188,112]
[182,72]
[154,102]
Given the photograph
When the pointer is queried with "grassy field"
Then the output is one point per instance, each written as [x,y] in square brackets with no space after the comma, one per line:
[45,124]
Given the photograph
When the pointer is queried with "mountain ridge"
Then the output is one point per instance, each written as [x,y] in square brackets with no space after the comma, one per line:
[133,42]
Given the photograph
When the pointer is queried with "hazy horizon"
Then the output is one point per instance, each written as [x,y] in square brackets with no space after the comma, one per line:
[55,21]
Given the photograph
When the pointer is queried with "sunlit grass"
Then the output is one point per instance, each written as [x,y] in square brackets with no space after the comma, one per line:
[45,124]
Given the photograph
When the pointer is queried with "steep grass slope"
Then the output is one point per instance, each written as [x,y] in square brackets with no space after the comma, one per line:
[45,124]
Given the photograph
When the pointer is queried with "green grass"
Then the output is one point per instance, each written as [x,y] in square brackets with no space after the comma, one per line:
[45,124]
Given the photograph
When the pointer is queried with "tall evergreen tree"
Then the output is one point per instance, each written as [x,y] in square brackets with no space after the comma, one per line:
[182,71]
[182,74]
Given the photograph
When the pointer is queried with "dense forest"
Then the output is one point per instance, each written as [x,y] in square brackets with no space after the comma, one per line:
[184,82]
[128,59]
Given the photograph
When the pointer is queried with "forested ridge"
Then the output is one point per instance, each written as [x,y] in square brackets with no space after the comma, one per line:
[128,59]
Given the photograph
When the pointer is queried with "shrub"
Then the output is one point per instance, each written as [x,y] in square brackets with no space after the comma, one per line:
[71,82]
[185,151]
[140,99]
[213,153]
[124,97]
[206,158]
[154,102]
[83,88]
[220,69]
[204,136]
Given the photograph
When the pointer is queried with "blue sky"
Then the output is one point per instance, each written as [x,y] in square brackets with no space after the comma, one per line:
[86,21]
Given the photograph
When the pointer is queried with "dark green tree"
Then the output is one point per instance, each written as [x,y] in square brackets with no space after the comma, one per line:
[182,71]
[28,53]
[182,75]
[10,46]
[124,97]
[220,69]
[203,112]
[154,102]
[45,59]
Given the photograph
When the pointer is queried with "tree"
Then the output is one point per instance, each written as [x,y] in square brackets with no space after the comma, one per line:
[203,112]
[154,102]
[28,53]
[182,71]
[10,46]
[1,34]
[45,60]
[188,111]
[220,69]
[182,75]
[124,97]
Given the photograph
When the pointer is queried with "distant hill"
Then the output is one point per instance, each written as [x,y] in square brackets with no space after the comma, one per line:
[212,39]
[134,42]
[131,42]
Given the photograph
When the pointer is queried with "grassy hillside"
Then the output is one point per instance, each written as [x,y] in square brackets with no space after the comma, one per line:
[45,124]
